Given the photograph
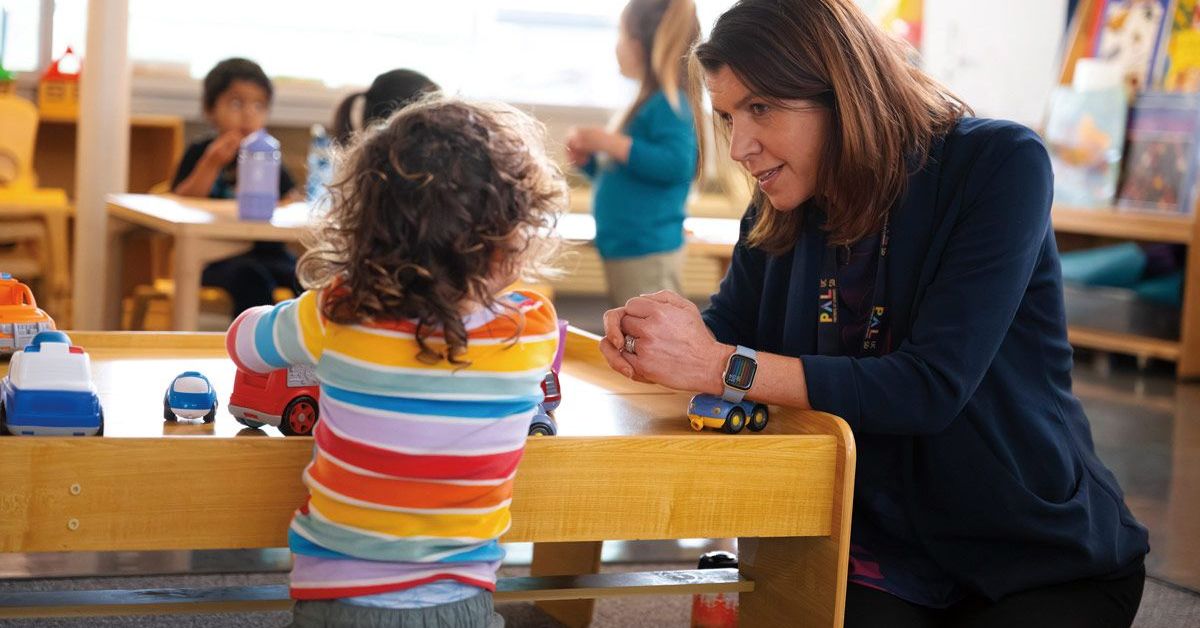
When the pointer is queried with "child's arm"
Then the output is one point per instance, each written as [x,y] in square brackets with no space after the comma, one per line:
[667,152]
[268,337]
[586,141]
[220,152]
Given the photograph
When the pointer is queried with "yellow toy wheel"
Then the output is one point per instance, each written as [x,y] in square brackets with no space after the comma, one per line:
[735,421]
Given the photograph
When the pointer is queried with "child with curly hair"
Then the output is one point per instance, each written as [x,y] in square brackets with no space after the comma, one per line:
[429,370]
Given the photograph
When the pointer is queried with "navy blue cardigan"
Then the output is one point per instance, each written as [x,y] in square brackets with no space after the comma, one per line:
[998,476]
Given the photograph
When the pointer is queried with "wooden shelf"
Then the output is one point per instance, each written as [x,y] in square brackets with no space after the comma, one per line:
[1140,346]
[1118,224]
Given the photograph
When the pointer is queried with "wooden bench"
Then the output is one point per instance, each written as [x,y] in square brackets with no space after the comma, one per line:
[625,466]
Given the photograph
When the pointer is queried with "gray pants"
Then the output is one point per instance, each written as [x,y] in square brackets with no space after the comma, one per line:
[473,612]
[635,276]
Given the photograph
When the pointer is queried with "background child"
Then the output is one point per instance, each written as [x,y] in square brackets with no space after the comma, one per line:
[429,373]
[237,99]
[388,92]
[641,184]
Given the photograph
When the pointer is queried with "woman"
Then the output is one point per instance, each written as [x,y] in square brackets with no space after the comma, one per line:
[897,268]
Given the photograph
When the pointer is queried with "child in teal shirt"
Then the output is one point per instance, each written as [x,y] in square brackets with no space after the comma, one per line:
[643,172]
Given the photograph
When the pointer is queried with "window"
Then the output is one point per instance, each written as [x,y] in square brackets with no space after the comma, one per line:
[19,34]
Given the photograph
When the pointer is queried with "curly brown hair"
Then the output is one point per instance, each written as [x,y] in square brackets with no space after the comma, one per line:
[432,215]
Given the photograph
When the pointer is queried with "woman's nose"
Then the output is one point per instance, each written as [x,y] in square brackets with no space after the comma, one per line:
[742,144]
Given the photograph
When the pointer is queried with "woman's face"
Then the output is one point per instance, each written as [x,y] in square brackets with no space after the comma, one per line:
[629,54]
[780,146]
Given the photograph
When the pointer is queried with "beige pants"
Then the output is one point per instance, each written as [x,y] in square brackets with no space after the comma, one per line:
[635,276]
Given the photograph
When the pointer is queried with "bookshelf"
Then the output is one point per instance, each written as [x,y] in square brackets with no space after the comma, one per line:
[1183,350]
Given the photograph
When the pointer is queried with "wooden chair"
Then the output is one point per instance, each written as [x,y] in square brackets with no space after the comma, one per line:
[23,243]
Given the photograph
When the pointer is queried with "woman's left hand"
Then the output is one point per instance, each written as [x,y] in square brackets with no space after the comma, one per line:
[672,346]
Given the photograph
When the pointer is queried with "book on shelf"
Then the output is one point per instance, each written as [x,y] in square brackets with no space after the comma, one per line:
[1130,33]
[1181,71]
[1162,154]
[1085,135]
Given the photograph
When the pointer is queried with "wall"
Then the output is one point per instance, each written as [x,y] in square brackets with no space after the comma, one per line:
[1001,57]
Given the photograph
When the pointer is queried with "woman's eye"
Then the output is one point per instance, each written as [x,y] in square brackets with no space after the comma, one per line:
[759,109]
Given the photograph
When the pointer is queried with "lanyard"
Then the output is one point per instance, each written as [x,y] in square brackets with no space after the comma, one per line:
[829,333]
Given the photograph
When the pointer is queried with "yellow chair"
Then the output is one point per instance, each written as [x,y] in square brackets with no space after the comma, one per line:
[23,244]
[18,133]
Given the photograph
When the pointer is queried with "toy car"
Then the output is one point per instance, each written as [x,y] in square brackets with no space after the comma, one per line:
[20,317]
[543,423]
[715,412]
[286,398]
[190,396]
[49,392]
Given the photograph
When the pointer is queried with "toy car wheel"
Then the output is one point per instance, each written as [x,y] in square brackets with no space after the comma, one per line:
[299,417]
[541,430]
[3,420]
[758,418]
[734,421]
[167,414]
[100,432]
[211,415]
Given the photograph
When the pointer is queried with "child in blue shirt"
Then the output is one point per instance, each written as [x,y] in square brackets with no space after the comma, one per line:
[642,172]
[237,99]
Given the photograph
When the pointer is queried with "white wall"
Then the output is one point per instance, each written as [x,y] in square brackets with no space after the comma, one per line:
[1001,57]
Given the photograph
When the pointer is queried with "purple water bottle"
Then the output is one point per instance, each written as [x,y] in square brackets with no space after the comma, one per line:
[258,176]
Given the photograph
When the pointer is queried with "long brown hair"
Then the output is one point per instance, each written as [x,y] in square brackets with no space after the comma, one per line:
[666,30]
[885,112]
[430,209]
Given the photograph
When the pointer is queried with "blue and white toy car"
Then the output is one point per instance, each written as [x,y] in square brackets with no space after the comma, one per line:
[190,396]
[49,392]
[715,412]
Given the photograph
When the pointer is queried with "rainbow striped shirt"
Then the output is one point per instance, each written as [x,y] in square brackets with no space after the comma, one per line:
[413,463]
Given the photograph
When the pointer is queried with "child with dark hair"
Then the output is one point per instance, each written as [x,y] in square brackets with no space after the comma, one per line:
[237,100]
[429,369]
[388,92]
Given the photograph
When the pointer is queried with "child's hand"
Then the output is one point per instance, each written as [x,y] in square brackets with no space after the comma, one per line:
[223,149]
[585,140]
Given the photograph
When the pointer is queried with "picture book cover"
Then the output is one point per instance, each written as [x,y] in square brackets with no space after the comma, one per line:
[1130,34]
[1085,134]
[1162,154]
[1182,66]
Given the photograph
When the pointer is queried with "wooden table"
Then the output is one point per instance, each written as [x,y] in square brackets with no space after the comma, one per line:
[206,230]
[203,230]
[624,466]
[51,206]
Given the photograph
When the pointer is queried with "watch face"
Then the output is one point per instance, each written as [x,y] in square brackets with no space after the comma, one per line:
[740,373]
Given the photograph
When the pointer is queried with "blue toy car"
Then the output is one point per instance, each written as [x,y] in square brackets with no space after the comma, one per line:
[542,423]
[190,396]
[49,392]
[715,412]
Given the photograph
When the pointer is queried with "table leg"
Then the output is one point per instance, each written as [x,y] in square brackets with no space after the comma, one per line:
[185,315]
[59,274]
[562,559]
[111,308]
[797,582]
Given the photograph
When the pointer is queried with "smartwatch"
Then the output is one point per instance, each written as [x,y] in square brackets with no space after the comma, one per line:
[739,373]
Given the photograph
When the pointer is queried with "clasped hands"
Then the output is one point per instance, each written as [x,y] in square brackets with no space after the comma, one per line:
[672,346]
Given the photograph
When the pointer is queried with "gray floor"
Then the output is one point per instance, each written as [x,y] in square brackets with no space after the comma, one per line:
[1146,428]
